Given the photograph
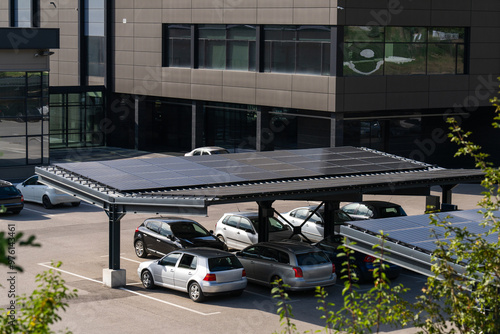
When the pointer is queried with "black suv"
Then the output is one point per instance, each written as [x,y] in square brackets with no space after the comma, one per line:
[160,236]
[11,199]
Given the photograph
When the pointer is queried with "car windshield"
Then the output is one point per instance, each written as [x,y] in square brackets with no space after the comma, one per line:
[187,230]
[9,191]
[274,225]
[312,258]
[224,263]
[395,211]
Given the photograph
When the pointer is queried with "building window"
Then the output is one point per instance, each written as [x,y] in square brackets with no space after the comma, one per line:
[95,40]
[375,50]
[178,37]
[24,118]
[230,47]
[76,119]
[24,13]
[297,49]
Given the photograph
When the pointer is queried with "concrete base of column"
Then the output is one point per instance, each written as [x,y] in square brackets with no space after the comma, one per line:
[114,278]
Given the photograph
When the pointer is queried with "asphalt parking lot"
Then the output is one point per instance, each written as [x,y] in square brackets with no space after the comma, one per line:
[79,238]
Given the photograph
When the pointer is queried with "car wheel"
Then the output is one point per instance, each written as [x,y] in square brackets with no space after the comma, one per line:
[359,275]
[47,204]
[195,292]
[147,279]
[221,238]
[75,204]
[140,251]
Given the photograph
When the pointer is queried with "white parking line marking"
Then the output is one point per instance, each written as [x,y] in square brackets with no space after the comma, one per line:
[40,212]
[121,257]
[125,289]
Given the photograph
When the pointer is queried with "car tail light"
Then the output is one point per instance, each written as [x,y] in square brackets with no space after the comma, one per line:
[333,267]
[243,273]
[137,229]
[22,198]
[298,272]
[210,277]
[369,259]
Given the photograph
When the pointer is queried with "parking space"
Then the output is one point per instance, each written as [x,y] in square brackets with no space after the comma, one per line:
[79,238]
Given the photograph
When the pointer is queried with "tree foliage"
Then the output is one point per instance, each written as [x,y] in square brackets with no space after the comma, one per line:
[37,312]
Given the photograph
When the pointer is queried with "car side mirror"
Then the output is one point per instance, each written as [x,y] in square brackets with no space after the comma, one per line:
[211,231]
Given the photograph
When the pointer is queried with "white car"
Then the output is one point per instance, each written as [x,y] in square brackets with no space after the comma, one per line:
[208,150]
[34,191]
[239,229]
[314,228]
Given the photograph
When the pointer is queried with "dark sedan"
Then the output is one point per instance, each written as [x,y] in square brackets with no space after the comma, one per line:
[160,236]
[11,199]
[362,265]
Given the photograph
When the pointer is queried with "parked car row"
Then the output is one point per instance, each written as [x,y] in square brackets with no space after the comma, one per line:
[196,261]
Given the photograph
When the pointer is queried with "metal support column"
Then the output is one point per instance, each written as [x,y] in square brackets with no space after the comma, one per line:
[447,193]
[331,226]
[265,211]
[115,214]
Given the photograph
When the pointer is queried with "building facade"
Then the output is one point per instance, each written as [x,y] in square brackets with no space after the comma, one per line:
[254,75]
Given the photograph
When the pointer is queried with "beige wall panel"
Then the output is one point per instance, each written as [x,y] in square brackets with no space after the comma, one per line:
[403,83]
[124,30]
[334,13]
[146,87]
[439,83]
[240,15]
[365,84]
[238,95]
[207,77]
[207,4]
[311,3]
[147,15]
[332,102]
[452,18]
[364,102]
[239,79]
[176,75]
[68,80]
[68,42]
[269,97]
[240,3]
[148,44]
[147,30]
[143,75]
[274,15]
[68,15]
[274,4]
[125,4]
[206,92]
[215,15]
[176,4]
[332,85]
[147,59]
[407,100]
[67,29]
[67,54]
[314,101]
[148,4]
[176,16]
[124,72]
[311,15]
[274,81]
[124,86]
[67,4]
[176,90]
[68,68]
[310,83]
[121,14]
[124,57]
[446,99]
[124,44]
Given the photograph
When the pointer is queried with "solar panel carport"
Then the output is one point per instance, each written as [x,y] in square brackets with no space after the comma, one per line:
[188,185]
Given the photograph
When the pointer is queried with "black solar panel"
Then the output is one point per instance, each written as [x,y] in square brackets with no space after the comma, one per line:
[174,172]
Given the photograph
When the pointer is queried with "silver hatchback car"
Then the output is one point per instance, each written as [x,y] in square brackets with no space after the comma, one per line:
[198,271]
[299,265]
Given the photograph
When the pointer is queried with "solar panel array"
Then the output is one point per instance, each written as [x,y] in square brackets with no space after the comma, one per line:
[417,231]
[176,172]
